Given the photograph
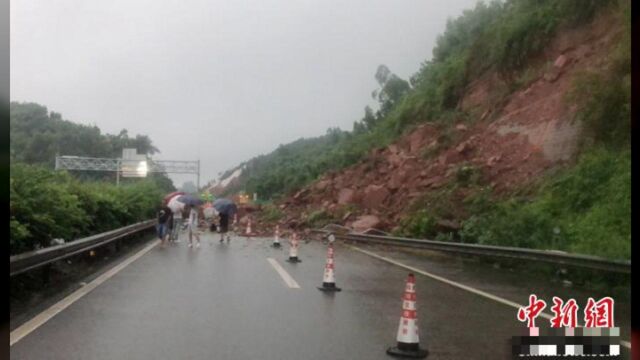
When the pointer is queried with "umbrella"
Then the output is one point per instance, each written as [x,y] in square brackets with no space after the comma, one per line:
[189,200]
[171,196]
[225,206]
[175,205]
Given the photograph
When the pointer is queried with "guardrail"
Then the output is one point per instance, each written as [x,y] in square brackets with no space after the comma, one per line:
[551,256]
[37,258]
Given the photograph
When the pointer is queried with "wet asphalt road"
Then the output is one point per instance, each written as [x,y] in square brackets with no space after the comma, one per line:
[226,301]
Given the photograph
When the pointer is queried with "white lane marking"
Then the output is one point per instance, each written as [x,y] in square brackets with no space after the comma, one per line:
[283,274]
[26,328]
[461,286]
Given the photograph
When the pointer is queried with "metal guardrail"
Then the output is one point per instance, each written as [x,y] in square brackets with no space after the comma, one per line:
[37,258]
[550,256]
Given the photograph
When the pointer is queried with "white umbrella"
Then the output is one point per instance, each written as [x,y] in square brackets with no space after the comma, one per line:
[175,205]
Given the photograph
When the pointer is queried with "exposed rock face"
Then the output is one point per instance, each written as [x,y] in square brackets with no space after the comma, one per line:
[365,222]
[508,141]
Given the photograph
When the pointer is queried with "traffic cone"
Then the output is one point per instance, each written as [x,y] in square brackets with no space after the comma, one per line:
[276,239]
[248,232]
[293,249]
[408,341]
[328,281]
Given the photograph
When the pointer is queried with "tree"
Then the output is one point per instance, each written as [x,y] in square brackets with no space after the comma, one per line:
[369,119]
[392,89]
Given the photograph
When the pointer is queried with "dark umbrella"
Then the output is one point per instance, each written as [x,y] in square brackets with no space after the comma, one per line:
[225,206]
[190,200]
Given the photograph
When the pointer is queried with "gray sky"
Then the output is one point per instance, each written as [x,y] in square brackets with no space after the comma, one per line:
[220,80]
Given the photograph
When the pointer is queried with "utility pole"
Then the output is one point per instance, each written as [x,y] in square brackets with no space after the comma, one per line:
[198,181]
[118,174]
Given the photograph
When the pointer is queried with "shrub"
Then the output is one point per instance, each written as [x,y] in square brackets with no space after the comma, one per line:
[45,205]
[586,209]
[271,213]
[420,224]
[318,218]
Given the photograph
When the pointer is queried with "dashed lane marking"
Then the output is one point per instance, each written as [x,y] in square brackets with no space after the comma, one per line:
[626,344]
[283,274]
[26,328]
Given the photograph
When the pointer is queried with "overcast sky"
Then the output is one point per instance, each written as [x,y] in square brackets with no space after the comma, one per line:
[221,81]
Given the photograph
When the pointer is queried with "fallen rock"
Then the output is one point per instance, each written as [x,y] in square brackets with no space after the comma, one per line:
[552,75]
[432,181]
[374,196]
[365,222]
[322,185]
[492,160]
[394,159]
[461,127]
[397,179]
[301,193]
[560,62]
[418,138]
[345,196]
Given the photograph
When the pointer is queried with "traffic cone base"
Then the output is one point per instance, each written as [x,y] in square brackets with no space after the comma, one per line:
[329,287]
[408,351]
[294,259]
[276,244]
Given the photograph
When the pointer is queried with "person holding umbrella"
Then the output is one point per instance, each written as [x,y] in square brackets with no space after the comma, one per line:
[177,207]
[225,209]
[192,203]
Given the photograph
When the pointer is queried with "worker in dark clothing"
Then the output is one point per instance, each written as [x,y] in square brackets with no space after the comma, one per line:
[164,216]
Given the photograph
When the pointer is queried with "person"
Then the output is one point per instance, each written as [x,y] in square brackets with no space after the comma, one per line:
[224,226]
[163,215]
[176,223]
[193,226]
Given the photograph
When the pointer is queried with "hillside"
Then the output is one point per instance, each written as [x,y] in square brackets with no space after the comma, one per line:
[515,133]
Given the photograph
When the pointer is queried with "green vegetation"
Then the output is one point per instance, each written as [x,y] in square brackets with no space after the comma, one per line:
[586,209]
[37,136]
[45,204]
[271,213]
[318,218]
[604,98]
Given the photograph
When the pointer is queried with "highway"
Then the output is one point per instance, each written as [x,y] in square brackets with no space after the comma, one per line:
[243,300]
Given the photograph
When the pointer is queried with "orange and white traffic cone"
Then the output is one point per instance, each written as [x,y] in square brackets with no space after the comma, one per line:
[328,280]
[408,340]
[276,239]
[248,231]
[293,249]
